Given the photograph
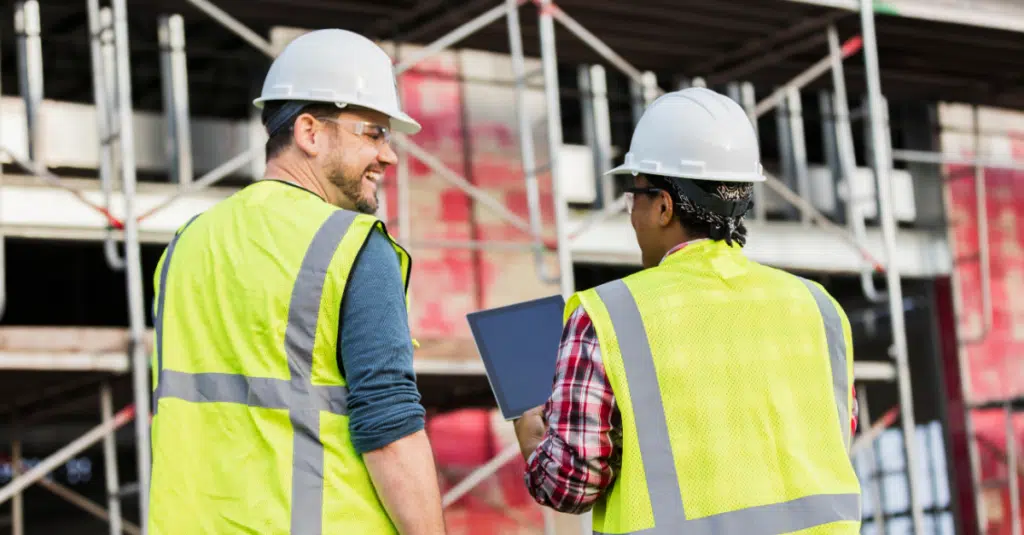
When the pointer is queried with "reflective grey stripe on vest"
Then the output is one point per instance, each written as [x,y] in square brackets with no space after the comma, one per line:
[158,319]
[656,451]
[836,341]
[303,399]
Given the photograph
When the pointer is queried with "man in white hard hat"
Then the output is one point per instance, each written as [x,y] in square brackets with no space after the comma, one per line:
[707,393]
[285,397]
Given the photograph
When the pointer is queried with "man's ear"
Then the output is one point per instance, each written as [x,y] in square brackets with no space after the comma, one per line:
[666,209]
[304,131]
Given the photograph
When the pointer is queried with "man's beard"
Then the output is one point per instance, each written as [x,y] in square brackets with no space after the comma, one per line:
[352,189]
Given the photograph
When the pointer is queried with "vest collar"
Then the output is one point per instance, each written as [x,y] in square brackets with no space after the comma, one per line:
[718,256]
[680,247]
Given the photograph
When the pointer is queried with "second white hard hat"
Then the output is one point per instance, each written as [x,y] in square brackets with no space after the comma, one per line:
[337,66]
[694,133]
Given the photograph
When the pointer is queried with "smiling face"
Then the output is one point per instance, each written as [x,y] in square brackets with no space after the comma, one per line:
[355,156]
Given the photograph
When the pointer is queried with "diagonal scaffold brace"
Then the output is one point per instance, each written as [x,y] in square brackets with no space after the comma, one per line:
[64,454]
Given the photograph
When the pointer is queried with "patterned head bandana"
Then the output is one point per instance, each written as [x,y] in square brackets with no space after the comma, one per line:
[723,227]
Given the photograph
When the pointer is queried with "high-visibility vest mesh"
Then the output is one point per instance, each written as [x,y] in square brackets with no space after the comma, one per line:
[250,428]
[733,381]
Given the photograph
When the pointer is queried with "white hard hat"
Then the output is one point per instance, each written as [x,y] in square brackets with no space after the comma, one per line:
[694,133]
[337,66]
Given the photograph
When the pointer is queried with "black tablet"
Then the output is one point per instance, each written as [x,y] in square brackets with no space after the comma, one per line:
[519,346]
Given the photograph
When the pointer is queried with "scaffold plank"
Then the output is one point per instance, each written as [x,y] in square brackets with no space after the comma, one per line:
[30,209]
[86,349]
[64,361]
[44,212]
[103,349]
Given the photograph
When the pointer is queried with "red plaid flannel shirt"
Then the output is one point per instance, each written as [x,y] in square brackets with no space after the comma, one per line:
[579,457]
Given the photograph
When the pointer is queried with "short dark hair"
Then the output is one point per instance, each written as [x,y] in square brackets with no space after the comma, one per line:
[700,222]
[282,138]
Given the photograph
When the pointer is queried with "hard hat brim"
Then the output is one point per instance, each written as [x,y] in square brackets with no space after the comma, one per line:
[400,121]
[626,169]
[403,123]
[621,170]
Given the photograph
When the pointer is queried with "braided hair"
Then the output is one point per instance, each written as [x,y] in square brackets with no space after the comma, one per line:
[700,221]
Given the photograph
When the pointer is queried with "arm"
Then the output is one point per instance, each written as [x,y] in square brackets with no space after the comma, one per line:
[404,475]
[385,415]
[574,463]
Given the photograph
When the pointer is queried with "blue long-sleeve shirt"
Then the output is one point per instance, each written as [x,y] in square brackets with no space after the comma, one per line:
[376,350]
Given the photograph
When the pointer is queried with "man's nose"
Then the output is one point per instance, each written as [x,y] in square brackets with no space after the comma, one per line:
[386,155]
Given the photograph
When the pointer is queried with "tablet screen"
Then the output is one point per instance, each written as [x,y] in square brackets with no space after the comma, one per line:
[519,346]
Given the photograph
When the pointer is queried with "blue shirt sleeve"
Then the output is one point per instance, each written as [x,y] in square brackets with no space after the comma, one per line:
[376,350]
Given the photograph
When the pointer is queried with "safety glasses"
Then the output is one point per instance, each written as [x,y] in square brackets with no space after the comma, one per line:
[378,135]
[631,194]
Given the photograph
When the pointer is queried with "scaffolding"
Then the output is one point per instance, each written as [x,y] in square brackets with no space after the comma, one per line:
[109,50]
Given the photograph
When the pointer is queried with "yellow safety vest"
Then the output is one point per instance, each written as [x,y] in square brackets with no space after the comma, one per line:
[733,382]
[250,431]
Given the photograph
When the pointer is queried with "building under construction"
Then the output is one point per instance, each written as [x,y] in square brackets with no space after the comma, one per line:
[892,131]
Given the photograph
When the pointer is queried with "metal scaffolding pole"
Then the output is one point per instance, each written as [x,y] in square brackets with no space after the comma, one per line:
[875,477]
[787,160]
[798,148]
[174,74]
[1012,477]
[207,180]
[801,204]
[3,252]
[101,53]
[984,248]
[402,193]
[851,46]
[113,516]
[17,502]
[479,195]
[239,29]
[30,72]
[597,128]
[549,9]
[86,505]
[554,121]
[113,483]
[480,474]
[46,176]
[601,116]
[922,156]
[882,164]
[847,158]
[868,436]
[748,98]
[515,39]
[64,454]
[133,258]
[549,61]
[404,208]
[456,35]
